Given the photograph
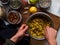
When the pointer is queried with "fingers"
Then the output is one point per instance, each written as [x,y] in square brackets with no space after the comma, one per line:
[47,28]
[26,35]
[22,27]
[26,27]
[53,30]
[50,28]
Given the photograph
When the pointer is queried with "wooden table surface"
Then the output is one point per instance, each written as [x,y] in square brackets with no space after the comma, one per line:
[56,21]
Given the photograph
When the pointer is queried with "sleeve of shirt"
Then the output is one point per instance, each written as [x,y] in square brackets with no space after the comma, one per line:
[9,42]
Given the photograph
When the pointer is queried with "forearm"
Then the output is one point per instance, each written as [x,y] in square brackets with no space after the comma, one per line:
[14,39]
[52,42]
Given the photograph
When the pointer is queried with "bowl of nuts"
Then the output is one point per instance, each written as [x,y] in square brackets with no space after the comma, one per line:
[14,17]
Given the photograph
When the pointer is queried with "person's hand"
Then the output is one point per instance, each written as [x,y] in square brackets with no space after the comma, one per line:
[22,30]
[50,35]
[20,33]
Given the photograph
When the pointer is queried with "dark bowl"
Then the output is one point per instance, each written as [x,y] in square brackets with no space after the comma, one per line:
[40,15]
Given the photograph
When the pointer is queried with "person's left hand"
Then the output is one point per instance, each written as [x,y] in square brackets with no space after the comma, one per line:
[20,33]
[22,30]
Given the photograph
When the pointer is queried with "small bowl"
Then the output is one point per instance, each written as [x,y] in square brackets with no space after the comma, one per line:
[40,15]
[14,17]
[7,1]
[45,3]
[13,4]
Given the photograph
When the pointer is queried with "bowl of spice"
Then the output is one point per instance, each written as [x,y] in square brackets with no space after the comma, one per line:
[45,3]
[14,17]
[5,1]
[15,4]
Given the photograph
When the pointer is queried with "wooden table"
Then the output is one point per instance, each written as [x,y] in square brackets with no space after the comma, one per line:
[56,21]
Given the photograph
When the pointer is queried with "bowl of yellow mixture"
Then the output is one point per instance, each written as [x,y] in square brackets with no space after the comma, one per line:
[37,22]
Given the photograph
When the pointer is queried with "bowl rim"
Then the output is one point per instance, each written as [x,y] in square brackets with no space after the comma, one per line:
[40,13]
[43,6]
[20,16]
[34,15]
[17,7]
[5,2]
[37,38]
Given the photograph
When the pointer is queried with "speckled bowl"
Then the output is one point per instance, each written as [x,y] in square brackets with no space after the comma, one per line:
[41,15]
[44,3]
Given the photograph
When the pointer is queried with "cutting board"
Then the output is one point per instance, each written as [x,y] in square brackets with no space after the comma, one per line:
[56,21]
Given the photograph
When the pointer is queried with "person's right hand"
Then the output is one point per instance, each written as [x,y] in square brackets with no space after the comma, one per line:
[50,35]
